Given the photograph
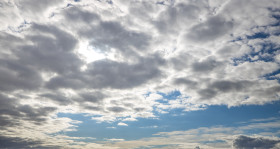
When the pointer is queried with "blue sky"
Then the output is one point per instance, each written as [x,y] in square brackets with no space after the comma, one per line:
[177,120]
[140,74]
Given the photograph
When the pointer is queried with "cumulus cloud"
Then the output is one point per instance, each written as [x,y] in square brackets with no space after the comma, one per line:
[122,124]
[245,142]
[213,28]
[212,52]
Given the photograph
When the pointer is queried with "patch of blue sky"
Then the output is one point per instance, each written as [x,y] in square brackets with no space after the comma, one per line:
[177,120]
[272,76]
[266,54]
[277,22]
[173,95]
[258,35]
[275,15]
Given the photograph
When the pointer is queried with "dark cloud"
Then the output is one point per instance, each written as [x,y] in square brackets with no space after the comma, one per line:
[207,93]
[77,15]
[8,107]
[123,75]
[271,91]
[185,81]
[11,112]
[52,50]
[37,115]
[116,109]
[74,81]
[20,143]
[82,98]
[93,97]
[230,86]
[139,109]
[15,76]
[176,15]
[206,65]
[16,143]
[245,142]
[106,73]
[224,86]
[181,61]
[6,40]
[210,30]
[47,49]
[110,34]
[58,97]
[93,108]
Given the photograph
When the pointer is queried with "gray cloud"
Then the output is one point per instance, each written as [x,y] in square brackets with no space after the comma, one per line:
[53,50]
[184,81]
[245,142]
[178,16]
[106,73]
[93,97]
[224,86]
[231,86]
[34,6]
[15,143]
[206,65]
[83,98]
[116,109]
[16,76]
[58,97]
[12,112]
[122,75]
[77,15]
[210,30]
[111,34]
[207,93]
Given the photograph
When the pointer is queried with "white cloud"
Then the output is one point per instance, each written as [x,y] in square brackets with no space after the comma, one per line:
[130,119]
[122,124]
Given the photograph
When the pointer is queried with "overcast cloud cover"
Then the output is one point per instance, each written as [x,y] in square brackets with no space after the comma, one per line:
[115,61]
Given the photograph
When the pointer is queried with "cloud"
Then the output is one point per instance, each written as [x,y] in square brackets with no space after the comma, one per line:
[8,142]
[12,112]
[210,30]
[113,35]
[212,52]
[245,142]
[122,124]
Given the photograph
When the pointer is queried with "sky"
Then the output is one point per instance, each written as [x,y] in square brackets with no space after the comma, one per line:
[140,74]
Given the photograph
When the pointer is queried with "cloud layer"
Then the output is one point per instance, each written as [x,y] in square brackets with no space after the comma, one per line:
[114,61]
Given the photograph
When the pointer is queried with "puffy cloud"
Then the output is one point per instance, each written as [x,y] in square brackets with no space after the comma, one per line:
[12,112]
[122,124]
[106,73]
[8,142]
[212,52]
[210,30]
[245,142]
